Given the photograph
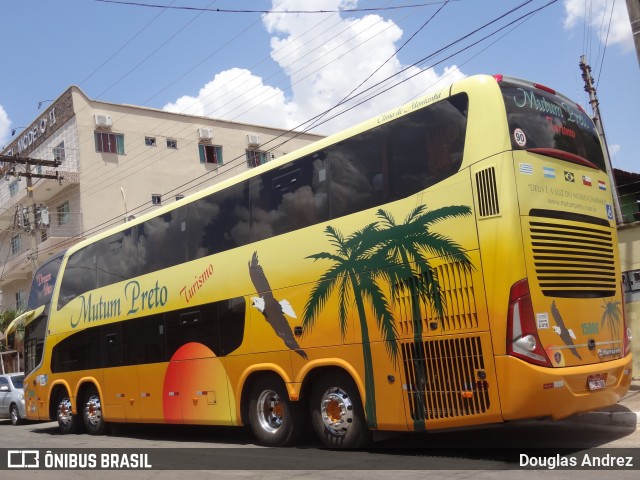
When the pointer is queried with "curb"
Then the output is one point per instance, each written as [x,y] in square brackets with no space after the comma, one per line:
[620,419]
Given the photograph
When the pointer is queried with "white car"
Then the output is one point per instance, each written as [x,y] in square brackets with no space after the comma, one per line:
[12,397]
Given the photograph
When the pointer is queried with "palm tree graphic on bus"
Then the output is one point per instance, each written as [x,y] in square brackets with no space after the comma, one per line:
[398,254]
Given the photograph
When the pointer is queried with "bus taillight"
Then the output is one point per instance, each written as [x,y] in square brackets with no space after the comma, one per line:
[544,88]
[522,334]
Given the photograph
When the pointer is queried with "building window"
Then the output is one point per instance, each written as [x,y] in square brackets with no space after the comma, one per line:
[256,158]
[63,213]
[16,244]
[150,141]
[172,143]
[210,154]
[631,281]
[13,188]
[59,152]
[21,300]
[109,142]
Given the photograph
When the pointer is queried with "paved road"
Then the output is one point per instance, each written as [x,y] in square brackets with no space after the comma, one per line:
[492,452]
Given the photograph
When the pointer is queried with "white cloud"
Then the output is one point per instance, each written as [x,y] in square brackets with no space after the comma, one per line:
[324,57]
[596,14]
[5,127]
[233,92]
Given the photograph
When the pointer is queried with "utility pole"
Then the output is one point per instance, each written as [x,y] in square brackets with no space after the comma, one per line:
[597,119]
[633,8]
[30,221]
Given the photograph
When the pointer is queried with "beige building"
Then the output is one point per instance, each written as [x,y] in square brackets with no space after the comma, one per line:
[629,246]
[113,159]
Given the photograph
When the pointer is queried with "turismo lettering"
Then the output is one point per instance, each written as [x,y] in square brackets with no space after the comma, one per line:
[200,280]
[561,129]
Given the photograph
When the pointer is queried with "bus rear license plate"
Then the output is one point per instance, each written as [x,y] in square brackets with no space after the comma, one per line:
[596,382]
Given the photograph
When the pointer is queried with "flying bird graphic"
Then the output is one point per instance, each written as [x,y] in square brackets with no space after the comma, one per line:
[273,310]
[566,335]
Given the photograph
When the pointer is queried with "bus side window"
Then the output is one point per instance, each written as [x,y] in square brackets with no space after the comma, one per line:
[162,241]
[231,315]
[289,198]
[198,325]
[79,275]
[218,222]
[115,255]
[112,345]
[357,170]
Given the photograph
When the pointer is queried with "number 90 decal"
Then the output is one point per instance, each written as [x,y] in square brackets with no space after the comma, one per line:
[520,137]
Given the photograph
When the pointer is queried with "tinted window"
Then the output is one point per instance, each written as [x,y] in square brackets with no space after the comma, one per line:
[152,339]
[34,333]
[144,340]
[43,282]
[289,197]
[196,325]
[116,260]
[550,121]
[79,275]
[219,221]
[231,315]
[399,158]
[162,241]
[70,354]
[387,163]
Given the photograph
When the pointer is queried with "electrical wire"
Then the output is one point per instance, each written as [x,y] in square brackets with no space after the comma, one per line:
[142,206]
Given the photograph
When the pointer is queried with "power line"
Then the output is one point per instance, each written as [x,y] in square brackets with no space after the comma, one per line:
[366,99]
[226,10]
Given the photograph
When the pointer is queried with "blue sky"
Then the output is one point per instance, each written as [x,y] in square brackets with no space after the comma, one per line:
[282,69]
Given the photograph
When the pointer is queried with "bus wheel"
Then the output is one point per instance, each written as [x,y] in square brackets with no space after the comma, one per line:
[92,413]
[67,421]
[336,412]
[275,420]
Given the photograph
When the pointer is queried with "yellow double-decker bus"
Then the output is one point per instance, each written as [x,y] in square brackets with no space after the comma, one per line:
[450,263]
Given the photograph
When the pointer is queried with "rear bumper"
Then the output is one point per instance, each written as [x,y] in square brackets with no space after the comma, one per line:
[529,391]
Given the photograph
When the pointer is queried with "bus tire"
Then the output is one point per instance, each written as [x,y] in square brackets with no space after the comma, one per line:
[92,412]
[275,420]
[337,414]
[67,421]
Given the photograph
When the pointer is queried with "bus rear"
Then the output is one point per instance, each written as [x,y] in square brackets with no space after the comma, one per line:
[566,331]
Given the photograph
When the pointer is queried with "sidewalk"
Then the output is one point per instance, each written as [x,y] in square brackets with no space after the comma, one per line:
[625,413]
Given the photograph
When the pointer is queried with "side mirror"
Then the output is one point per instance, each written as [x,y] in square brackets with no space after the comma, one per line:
[4,388]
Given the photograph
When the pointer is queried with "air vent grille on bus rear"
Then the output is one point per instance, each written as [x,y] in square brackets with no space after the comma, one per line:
[488,204]
[571,259]
[440,378]
[458,299]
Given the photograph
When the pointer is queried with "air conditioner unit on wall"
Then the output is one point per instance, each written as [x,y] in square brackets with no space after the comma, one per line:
[205,133]
[102,120]
[253,140]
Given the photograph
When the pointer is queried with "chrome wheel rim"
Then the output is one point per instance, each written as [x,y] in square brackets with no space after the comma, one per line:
[15,417]
[336,409]
[270,411]
[93,410]
[64,412]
